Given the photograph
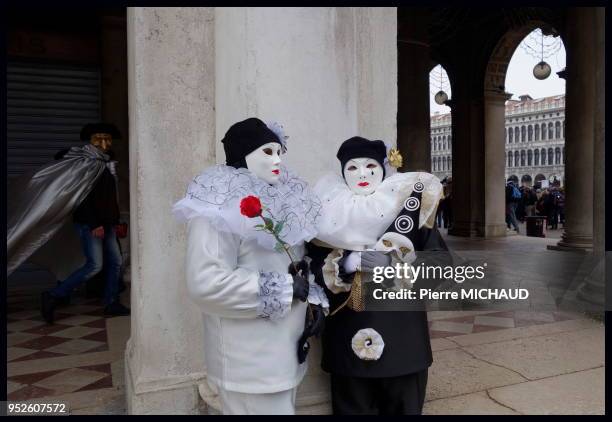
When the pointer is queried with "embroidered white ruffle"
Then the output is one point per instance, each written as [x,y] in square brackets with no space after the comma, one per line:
[356,222]
[275,294]
[331,271]
[317,296]
[216,194]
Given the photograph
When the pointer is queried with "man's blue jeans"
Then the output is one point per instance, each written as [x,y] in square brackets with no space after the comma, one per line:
[98,253]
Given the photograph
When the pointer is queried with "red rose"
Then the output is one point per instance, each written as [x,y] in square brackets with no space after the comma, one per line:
[250,206]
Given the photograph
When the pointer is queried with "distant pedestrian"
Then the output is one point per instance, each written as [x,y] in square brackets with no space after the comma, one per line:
[513,195]
[561,206]
[530,199]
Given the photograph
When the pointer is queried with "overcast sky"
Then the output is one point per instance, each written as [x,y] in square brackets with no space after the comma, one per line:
[520,79]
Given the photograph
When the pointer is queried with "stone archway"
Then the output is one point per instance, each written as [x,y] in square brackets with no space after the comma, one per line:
[494,99]
[526,180]
[538,180]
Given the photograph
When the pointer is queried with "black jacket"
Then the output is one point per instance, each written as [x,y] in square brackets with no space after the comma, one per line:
[405,332]
[100,207]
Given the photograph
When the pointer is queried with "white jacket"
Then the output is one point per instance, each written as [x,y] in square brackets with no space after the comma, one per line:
[251,323]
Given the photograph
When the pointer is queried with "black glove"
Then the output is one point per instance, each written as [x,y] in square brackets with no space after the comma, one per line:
[300,280]
[313,326]
[300,288]
[303,269]
[371,259]
[303,348]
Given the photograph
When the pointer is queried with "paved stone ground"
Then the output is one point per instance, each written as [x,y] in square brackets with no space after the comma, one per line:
[544,358]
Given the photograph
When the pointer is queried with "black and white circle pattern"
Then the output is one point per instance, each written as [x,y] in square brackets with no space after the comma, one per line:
[404,224]
[418,187]
[412,204]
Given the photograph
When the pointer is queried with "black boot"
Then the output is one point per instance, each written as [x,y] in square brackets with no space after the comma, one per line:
[47,307]
[116,309]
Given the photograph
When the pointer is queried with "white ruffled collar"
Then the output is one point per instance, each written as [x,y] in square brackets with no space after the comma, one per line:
[216,194]
[356,222]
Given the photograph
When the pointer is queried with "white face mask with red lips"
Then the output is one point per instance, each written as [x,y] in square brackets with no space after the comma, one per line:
[363,175]
[265,161]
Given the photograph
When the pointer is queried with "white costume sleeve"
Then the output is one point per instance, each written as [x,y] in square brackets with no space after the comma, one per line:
[220,287]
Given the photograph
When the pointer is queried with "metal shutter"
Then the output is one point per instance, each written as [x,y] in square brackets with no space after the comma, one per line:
[47,105]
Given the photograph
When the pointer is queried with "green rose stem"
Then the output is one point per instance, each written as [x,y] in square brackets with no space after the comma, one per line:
[267,228]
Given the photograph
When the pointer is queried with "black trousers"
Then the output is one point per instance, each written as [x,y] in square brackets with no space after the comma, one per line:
[403,395]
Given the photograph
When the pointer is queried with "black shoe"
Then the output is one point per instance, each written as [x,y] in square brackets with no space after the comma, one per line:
[116,309]
[47,307]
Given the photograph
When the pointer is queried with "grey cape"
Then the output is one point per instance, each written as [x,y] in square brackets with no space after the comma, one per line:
[40,206]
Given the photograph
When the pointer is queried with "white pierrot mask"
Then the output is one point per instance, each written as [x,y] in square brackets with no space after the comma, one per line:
[363,175]
[264,162]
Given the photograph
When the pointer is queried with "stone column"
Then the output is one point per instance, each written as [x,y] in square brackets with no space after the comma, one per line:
[172,138]
[468,199]
[413,120]
[494,163]
[579,111]
[593,290]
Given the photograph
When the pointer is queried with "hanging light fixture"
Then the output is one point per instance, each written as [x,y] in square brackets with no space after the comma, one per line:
[441,97]
[541,70]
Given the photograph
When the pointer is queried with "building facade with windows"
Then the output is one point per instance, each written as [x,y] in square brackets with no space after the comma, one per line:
[535,141]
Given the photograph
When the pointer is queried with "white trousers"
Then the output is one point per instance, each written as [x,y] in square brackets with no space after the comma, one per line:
[281,403]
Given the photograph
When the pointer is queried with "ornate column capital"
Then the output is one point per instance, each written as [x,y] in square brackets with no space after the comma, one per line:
[497,96]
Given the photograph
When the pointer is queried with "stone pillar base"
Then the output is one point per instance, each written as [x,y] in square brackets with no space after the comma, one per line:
[463,229]
[471,229]
[168,396]
[573,243]
[593,290]
[494,230]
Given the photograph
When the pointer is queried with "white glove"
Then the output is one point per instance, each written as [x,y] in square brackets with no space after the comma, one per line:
[352,262]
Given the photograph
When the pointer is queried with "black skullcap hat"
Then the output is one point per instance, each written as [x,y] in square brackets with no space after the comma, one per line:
[101,127]
[244,137]
[358,147]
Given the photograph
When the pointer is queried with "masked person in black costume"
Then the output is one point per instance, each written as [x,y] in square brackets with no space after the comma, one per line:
[378,356]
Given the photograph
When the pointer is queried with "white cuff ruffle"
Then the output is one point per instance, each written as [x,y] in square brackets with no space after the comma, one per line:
[275,294]
[331,271]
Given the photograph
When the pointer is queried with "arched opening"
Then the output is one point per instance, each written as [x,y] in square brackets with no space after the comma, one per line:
[529,102]
[526,180]
[513,178]
[440,121]
[550,156]
[530,133]
[530,158]
[538,180]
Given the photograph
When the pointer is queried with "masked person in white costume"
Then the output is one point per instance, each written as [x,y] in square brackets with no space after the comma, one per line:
[253,301]
[378,358]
